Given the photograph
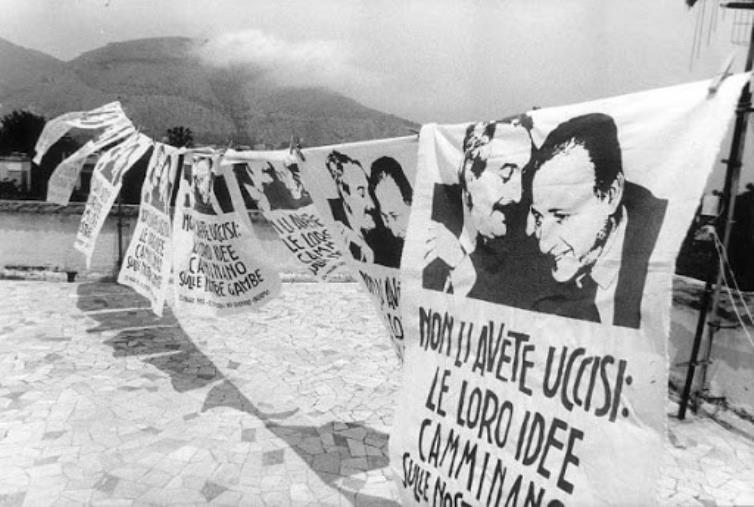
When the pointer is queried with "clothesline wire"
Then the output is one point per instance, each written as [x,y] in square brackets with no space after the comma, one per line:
[727,271]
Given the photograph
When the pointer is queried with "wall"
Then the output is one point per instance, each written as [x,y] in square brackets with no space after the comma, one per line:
[35,234]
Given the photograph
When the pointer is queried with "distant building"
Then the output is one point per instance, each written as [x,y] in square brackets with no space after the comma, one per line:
[15,170]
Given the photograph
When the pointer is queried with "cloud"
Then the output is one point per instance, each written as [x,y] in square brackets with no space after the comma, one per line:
[308,63]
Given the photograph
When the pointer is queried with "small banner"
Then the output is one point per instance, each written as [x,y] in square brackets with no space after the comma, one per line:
[216,266]
[102,117]
[107,178]
[65,176]
[146,266]
[536,296]
[270,182]
[364,193]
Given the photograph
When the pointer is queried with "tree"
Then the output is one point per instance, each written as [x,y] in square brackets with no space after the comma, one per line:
[180,137]
[19,132]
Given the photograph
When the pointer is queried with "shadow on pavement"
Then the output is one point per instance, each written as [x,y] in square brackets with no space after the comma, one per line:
[334,451]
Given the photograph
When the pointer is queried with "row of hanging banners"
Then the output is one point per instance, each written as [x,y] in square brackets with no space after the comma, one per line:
[522,268]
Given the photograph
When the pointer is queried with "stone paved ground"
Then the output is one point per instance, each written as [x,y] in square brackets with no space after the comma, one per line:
[102,403]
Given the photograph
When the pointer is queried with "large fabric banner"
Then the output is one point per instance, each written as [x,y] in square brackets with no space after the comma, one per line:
[65,176]
[536,296]
[102,117]
[107,178]
[364,193]
[146,266]
[217,266]
[270,182]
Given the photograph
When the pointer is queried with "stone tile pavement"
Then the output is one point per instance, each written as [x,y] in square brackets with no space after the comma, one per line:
[102,403]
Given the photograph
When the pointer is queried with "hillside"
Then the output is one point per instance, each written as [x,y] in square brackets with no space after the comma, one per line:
[162,83]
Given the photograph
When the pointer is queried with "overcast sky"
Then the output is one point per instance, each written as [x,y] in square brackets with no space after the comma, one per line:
[426,60]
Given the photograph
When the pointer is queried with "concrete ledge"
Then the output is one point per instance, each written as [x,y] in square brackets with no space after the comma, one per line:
[48,208]
[77,208]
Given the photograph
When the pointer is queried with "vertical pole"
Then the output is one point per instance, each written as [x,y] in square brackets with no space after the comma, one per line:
[725,223]
[697,337]
[120,231]
[730,190]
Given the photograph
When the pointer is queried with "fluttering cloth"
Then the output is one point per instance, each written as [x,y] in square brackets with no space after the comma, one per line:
[218,267]
[536,296]
[101,117]
[66,175]
[146,265]
[364,193]
[107,180]
[270,182]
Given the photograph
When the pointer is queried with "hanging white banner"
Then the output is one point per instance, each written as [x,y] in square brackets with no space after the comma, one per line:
[536,294]
[66,175]
[270,182]
[107,179]
[102,117]
[146,265]
[217,266]
[364,193]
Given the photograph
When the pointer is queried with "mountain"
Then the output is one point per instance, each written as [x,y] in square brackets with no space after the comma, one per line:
[162,83]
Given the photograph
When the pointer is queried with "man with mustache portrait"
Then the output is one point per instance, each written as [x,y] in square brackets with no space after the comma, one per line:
[477,245]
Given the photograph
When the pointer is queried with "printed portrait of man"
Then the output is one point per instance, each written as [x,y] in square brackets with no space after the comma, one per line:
[354,208]
[477,244]
[202,183]
[596,230]
[295,195]
[391,193]
[159,184]
[266,187]
[253,177]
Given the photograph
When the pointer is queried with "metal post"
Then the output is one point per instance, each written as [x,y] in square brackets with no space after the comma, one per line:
[697,338]
[730,191]
[120,231]
[725,223]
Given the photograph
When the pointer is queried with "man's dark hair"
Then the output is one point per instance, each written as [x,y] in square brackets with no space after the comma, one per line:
[479,135]
[334,163]
[387,167]
[473,141]
[598,135]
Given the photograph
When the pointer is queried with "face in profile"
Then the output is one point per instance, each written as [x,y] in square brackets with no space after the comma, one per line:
[354,190]
[569,219]
[202,179]
[393,210]
[492,179]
